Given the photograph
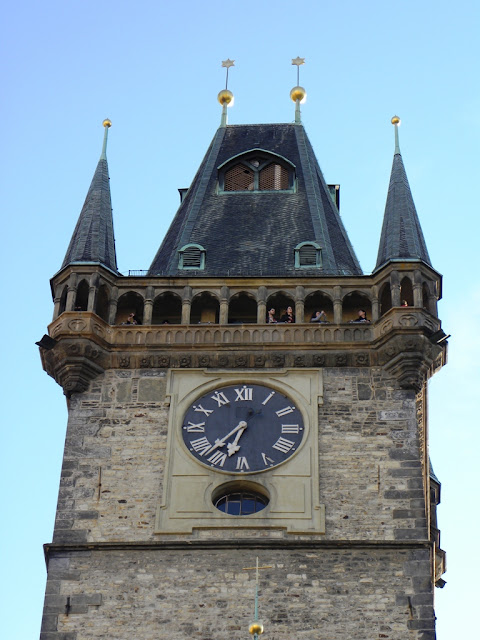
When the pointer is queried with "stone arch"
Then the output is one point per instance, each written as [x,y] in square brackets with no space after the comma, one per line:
[102,302]
[63,300]
[242,309]
[167,309]
[352,303]
[406,292]
[130,302]
[385,298]
[205,309]
[81,298]
[318,301]
[280,301]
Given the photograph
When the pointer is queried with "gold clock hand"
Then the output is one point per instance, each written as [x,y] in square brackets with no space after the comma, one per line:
[220,442]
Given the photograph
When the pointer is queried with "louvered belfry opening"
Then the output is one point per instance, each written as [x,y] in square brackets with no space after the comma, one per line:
[256,174]
[274,177]
[192,257]
[239,178]
[308,255]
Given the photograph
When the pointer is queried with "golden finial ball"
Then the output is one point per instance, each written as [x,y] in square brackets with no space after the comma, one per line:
[396,120]
[107,123]
[255,628]
[298,93]
[225,97]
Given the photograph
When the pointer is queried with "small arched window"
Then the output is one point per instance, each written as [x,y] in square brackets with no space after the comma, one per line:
[308,255]
[191,256]
[257,171]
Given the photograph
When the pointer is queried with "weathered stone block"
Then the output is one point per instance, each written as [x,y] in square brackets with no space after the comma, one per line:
[70,536]
[151,390]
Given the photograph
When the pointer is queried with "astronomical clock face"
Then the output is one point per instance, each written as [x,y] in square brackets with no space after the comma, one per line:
[243,428]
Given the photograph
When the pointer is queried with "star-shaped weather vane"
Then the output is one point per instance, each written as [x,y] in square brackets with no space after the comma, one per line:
[227,64]
[298,62]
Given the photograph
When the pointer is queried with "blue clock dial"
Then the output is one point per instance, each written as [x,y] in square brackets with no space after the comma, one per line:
[243,428]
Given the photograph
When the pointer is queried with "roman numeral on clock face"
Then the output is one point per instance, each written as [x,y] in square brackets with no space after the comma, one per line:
[220,398]
[196,428]
[201,445]
[290,428]
[218,458]
[269,397]
[268,462]
[242,463]
[283,412]
[283,445]
[245,393]
[207,412]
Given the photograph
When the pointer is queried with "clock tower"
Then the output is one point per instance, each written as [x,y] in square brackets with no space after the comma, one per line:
[251,394]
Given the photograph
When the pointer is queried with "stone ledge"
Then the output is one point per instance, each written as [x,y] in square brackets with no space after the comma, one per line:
[175,545]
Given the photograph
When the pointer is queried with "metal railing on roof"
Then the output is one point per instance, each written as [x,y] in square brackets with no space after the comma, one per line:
[255,272]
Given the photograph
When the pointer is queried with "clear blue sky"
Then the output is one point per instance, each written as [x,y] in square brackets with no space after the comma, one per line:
[153,67]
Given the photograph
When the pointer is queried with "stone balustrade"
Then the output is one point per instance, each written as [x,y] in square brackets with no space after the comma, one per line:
[83,324]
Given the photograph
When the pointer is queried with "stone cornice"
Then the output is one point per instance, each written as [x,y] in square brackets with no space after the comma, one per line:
[400,342]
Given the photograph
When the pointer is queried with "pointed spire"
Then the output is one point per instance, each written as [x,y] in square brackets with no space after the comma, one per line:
[93,240]
[401,237]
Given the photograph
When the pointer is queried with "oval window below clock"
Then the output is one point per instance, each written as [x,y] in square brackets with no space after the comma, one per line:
[237,501]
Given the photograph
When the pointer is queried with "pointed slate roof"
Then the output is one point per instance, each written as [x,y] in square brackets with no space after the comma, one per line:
[432,472]
[93,240]
[255,233]
[402,236]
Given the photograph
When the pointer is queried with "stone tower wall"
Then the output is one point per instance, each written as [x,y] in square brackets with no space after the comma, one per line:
[204,593]
[370,472]
[111,575]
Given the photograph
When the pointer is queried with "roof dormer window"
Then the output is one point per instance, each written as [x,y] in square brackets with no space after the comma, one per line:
[191,256]
[257,171]
[308,255]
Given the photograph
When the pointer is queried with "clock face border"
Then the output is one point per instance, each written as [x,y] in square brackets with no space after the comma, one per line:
[242,428]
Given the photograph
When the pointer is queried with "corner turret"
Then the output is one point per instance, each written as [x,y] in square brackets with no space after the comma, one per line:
[93,239]
[402,237]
